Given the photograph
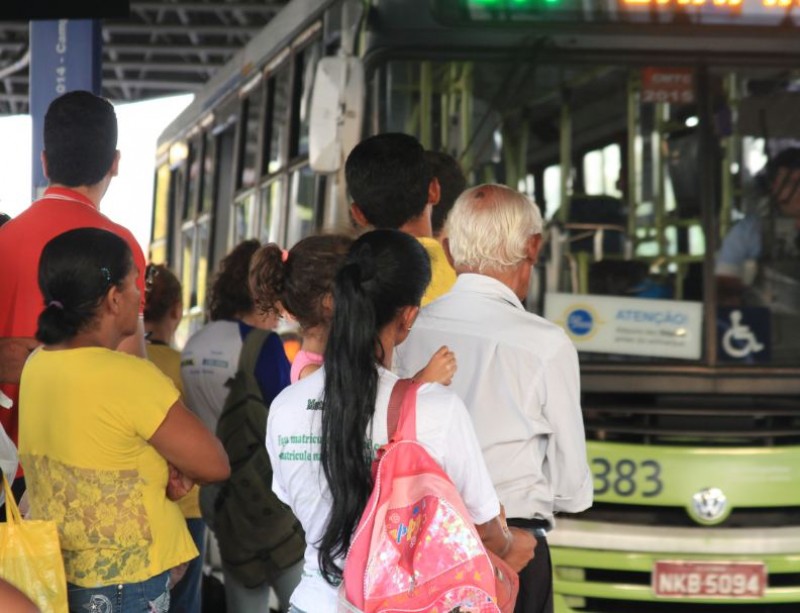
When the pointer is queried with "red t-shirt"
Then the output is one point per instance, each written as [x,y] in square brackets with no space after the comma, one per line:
[21,243]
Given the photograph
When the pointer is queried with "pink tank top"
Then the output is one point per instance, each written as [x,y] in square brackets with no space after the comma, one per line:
[301,360]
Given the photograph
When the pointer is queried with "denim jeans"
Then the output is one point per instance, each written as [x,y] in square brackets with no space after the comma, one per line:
[149,596]
[186,595]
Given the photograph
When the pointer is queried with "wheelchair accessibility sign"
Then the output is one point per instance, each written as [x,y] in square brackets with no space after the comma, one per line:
[743,334]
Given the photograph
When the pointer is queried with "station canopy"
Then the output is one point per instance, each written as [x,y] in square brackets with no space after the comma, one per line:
[163,48]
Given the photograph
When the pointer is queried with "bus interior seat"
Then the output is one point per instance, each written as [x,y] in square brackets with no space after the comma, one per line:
[601,210]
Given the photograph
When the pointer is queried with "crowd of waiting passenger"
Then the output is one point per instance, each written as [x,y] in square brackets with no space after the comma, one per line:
[136,450]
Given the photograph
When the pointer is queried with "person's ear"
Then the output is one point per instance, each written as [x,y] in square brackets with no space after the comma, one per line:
[448,255]
[434,192]
[408,315]
[114,170]
[112,300]
[43,157]
[358,215]
[327,305]
[533,248]
[176,312]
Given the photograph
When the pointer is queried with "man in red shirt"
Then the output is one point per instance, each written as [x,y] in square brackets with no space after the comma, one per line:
[80,158]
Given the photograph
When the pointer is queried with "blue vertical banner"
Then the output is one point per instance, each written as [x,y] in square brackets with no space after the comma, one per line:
[66,55]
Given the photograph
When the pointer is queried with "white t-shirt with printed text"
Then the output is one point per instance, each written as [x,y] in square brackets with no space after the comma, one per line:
[444,428]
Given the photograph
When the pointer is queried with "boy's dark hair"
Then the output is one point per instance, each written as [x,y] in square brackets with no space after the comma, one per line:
[388,179]
[230,293]
[162,292]
[451,183]
[80,139]
[76,271]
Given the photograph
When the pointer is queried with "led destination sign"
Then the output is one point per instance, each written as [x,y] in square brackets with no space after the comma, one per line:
[703,12]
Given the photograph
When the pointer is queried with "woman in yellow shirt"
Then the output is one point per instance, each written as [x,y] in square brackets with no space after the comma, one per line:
[99,429]
[163,311]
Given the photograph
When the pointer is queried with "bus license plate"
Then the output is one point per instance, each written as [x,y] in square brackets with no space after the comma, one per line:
[676,579]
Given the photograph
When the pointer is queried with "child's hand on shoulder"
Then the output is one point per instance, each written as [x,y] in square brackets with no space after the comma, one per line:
[440,369]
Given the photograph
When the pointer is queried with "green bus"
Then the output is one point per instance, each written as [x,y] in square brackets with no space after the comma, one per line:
[641,128]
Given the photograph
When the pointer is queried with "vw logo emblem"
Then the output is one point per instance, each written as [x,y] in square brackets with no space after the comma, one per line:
[709,504]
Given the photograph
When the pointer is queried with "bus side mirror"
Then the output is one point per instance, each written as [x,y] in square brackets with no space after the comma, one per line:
[337,110]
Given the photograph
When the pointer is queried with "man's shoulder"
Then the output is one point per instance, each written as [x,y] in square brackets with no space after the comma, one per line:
[510,329]
[534,332]
[453,306]
[213,334]
[746,225]
[104,223]
[47,218]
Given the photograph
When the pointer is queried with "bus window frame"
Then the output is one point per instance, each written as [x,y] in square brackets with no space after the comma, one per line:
[243,127]
[291,66]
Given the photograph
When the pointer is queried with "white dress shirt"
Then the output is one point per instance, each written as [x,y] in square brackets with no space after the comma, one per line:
[518,375]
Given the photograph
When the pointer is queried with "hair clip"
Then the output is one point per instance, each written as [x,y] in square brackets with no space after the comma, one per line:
[57,304]
[284,255]
[106,275]
[151,272]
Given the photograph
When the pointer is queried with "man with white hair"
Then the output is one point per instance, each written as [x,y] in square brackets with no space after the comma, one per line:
[517,373]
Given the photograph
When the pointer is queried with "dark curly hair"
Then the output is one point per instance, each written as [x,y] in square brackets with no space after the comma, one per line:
[300,283]
[230,293]
[162,292]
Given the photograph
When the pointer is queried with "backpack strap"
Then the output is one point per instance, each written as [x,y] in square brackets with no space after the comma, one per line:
[251,348]
[402,408]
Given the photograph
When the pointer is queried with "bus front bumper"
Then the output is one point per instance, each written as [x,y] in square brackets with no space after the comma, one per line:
[601,567]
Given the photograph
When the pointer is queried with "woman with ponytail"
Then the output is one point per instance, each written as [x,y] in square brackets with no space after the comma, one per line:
[100,429]
[322,431]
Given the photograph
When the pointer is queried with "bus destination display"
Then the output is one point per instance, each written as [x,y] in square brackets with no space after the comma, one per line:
[763,13]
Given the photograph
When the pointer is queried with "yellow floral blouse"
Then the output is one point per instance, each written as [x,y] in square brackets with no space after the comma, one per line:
[85,418]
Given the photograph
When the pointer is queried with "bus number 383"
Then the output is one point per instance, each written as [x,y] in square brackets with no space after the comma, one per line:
[627,477]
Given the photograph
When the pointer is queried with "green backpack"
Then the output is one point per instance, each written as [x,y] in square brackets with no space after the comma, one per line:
[258,535]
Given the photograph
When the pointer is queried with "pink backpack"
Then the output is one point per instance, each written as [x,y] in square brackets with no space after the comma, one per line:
[415,548]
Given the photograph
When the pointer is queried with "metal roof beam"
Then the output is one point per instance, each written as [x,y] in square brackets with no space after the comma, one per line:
[174,82]
[170,85]
[265,8]
[14,98]
[167,49]
[185,29]
[156,66]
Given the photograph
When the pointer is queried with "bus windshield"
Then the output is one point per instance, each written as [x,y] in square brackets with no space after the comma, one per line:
[646,175]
